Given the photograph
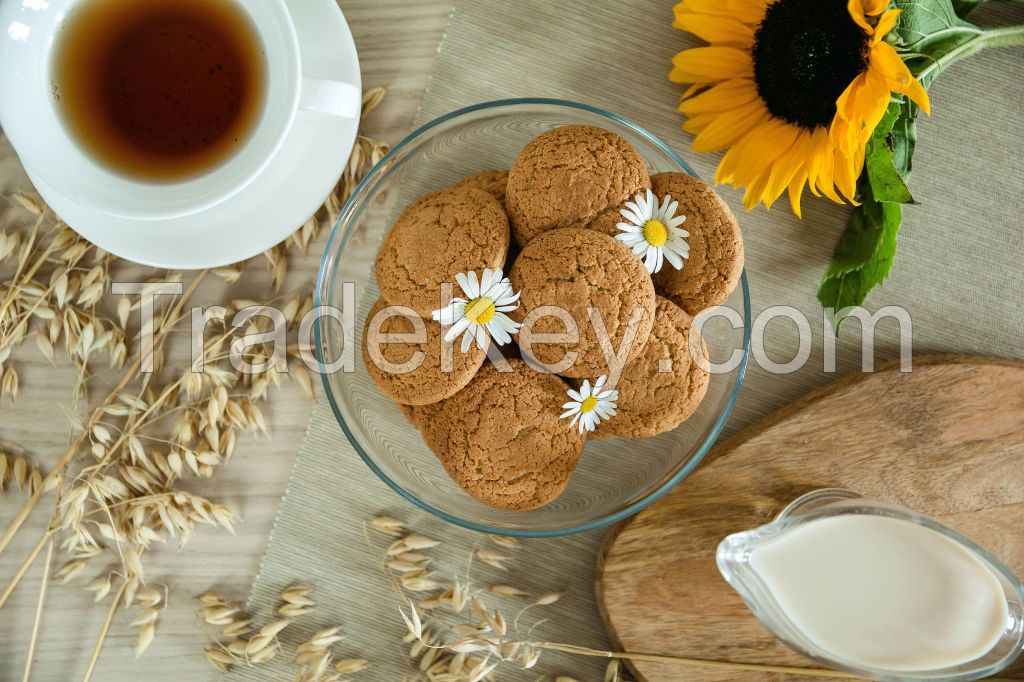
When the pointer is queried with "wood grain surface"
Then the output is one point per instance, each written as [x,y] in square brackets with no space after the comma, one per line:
[397,43]
[946,439]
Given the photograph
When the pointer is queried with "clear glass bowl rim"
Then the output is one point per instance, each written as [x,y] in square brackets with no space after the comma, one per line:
[325,277]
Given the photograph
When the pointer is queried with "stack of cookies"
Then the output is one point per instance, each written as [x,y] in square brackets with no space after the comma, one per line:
[588,336]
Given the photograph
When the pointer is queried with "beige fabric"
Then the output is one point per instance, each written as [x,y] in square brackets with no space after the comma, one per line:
[958,272]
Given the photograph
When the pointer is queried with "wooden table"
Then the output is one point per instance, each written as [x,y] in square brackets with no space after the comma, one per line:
[397,42]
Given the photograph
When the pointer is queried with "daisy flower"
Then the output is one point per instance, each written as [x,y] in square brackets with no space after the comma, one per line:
[590,405]
[792,89]
[653,231]
[482,312]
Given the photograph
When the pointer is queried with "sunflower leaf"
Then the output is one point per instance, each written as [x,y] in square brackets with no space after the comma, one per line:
[927,31]
[879,162]
[924,22]
[904,138]
[864,255]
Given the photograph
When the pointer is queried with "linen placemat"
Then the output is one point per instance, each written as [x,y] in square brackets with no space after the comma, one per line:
[957,272]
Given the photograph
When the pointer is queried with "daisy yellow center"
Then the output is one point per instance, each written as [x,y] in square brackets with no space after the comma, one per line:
[588,404]
[655,232]
[480,310]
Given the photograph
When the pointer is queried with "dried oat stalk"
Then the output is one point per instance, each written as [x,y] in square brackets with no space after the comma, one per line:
[458,632]
[122,486]
[52,283]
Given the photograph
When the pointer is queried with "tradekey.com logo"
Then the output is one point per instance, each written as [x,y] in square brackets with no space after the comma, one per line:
[268,326]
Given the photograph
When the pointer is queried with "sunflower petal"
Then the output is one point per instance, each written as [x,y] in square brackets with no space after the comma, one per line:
[723,96]
[846,102]
[874,7]
[874,100]
[720,30]
[820,147]
[885,24]
[845,177]
[885,59]
[729,126]
[755,192]
[711,64]
[698,122]
[787,165]
[857,12]
[748,11]
[825,179]
[796,190]
[755,151]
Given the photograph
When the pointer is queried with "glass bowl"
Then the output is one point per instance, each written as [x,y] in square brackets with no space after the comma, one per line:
[615,477]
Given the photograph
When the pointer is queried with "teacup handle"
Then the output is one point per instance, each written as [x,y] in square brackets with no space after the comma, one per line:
[330,97]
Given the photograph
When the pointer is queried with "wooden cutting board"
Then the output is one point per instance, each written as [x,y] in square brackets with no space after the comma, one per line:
[946,439]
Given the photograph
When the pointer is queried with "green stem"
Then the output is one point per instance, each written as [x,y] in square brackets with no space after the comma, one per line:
[1005,37]
[997,37]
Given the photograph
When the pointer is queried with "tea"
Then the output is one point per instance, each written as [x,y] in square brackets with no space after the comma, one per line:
[159,90]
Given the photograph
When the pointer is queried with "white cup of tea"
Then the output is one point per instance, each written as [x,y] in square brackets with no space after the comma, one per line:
[42,127]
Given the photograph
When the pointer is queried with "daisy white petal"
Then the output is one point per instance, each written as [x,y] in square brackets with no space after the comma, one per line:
[482,335]
[500,336]
[651,260]
[590,405]
[673,258]
[463,281]
[474,284]
[652,230]
[485,280]
[453,332]
[482,314]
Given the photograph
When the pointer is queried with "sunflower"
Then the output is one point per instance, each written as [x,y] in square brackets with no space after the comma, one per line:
[791,88]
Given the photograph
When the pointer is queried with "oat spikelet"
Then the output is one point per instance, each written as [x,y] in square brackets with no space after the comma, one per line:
[547,598]
[348,666]
[265,654]
[145,639]
[388,525]
[504,541]
[219,659]
[493,557]
[413,622]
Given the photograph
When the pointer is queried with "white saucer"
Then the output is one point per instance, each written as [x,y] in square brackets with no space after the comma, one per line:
[291,188]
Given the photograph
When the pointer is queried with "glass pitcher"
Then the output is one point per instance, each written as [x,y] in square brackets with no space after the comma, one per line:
[734,562]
